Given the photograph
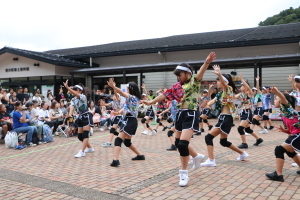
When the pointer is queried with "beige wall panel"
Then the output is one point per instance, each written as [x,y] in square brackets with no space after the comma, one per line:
[44,69]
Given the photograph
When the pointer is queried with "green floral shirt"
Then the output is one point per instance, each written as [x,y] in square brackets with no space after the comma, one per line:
[191,93]
[289,112]
[225,98]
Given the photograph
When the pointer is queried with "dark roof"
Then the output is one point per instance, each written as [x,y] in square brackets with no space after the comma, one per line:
[44,57]
[276,34]
[264,61]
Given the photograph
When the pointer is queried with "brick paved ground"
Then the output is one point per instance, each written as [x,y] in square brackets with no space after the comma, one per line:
[50,171]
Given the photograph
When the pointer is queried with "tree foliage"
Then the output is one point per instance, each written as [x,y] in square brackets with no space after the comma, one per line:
[287,16]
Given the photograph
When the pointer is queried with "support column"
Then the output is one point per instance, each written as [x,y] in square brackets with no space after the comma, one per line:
[255,73]
[141,81]
[260,74]
[54,92]
[72,79]
[124,77]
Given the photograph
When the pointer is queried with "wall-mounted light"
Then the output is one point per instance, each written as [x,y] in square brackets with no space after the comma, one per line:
[15,59]
[36,64]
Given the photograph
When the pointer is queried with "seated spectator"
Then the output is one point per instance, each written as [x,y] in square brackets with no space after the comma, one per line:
[33,118]
[5,121]
[20,123]
[12,101]
[105,119]
[62,107]
[44,116]
[55,115]
[37,98]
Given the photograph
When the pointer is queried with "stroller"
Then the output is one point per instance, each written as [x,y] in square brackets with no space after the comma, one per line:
[64,128]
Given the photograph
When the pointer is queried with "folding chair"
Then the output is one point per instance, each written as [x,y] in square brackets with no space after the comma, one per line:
[63,129]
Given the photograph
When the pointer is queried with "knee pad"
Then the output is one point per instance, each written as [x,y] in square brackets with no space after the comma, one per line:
[112,130]
[118,142]
[143,121]
[241,130]
[279,152]
[147,125]
[127,142]
[249,130]
[255,122]
[205,120]
[116,133]
[183,148]
[225,143]
[157,120]
[200,119]
[209,139]
[85,134]
[80,137]
[169,120]
[265,117]
[176,142]
[170,133]
[291,154]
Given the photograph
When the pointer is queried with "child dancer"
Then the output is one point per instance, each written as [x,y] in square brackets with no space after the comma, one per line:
[224,103]
[187,118]
[129,122]
[85,118]
[246,114]
[286,103]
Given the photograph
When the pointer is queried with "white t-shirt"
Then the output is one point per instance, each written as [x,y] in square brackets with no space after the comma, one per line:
[38,99]
[42,113]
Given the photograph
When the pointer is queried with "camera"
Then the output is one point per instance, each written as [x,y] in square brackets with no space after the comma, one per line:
[62,86]
[25,108]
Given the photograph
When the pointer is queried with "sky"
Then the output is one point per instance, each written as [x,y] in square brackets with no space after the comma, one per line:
[58,24]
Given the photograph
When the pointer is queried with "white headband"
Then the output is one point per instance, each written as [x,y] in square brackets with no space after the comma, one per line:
[184,69]
[225,79]
[79,87]
[297,77]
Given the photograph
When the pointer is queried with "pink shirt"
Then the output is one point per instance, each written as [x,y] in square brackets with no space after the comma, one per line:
[289,124]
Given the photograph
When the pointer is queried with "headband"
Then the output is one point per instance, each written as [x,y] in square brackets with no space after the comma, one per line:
[297,77]
[79,87]
[225,79]
[184,69]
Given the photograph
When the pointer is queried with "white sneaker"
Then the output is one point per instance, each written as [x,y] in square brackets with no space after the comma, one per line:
[243,156]
[145,132]
[89,150]
[107,144]
[101,129]
[197,161]
[264,131]
[31,144]
[247,134]
[295,165]
[153,132]
[80,154]
[183,178]
[40,143]
[209,163]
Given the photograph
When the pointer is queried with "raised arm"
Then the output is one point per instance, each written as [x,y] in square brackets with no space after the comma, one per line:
[279,95]
[157,99]
[257,84]
[70,89]
[217,71]
[291,79]
[210,58]
[210,89]
[112,84]
[246,85]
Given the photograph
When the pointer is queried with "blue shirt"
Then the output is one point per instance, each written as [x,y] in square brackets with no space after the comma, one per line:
[16,119]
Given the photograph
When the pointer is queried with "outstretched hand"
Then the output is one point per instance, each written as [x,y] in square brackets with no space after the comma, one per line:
[217,70]
[291,77]
[66,83]
[257,78]
[111,82]
[145,102]
[274,90]
[211,57]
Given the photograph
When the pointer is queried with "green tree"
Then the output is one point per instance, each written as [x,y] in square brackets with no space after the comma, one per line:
[287,16]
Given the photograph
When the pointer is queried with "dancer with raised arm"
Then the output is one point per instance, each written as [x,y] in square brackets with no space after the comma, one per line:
[224,103]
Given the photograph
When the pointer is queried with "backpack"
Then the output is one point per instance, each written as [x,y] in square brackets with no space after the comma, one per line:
[47,134]
[11,139]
